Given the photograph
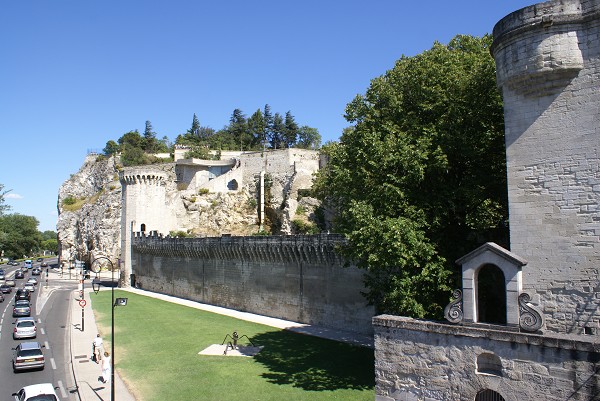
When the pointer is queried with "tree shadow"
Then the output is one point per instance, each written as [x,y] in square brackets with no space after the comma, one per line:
[314,364]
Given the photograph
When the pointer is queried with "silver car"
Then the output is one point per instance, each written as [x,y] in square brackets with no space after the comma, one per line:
[28,355]
[24,328]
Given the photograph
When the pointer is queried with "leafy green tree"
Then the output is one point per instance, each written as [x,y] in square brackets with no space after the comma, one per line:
[19,235]
[277,131]
[111,148]
[3,206]
[290,132]
[50,245]
[133,156]
[257,128]
[238,128]
[308,138]
[132,138]
[420,178]
[48,234]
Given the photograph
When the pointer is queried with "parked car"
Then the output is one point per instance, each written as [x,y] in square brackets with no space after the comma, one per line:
[10,282]
[22,294]
[24,328]
[36,271]
[28,355]
[38,392]
[21,308]
[40,259]
[19,274]
[27,286]
[5,289]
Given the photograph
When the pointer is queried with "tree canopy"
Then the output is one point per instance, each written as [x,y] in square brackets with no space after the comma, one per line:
[19,235]
[419,179]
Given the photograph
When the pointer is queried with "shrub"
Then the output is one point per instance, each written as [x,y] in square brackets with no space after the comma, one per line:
[300,210]
[178,234]
[203,191]
[69,200]
[304,227]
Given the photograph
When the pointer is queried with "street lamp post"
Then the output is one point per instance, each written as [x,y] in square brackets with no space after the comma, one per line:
[118,302]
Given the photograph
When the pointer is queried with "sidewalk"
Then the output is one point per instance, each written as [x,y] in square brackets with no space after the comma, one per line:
[85,371]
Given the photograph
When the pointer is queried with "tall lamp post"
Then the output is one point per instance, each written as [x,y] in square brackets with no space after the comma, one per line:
[117,302]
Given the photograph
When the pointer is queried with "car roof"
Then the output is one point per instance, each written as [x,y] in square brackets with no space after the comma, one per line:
[39,389]
[24,319]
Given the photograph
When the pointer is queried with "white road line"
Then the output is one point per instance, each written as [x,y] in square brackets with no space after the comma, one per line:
[43,331]
[39,320]
[46,345]
[63,393]
[53,363]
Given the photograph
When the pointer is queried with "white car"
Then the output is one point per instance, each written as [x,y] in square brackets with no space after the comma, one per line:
[29,287]
[32,280]
[24,328]
[37,392]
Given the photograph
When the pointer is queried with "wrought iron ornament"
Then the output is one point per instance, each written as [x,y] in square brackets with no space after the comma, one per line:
[530,318]
[454,310]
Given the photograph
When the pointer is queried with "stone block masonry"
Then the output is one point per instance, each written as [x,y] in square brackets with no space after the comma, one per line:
[297,278]
[548,67]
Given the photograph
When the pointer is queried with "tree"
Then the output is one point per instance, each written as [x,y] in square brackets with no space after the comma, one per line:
[3,206]
[308,138]
[277,130]
[20,236]
[238,128]
[150,144]
[111,148]
[132,138]
[290,132]
[420,178]
[268,117]
[257,128]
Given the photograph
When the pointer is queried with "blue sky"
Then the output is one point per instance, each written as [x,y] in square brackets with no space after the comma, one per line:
[75,74]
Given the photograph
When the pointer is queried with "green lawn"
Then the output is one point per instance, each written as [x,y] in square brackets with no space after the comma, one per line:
[157,345]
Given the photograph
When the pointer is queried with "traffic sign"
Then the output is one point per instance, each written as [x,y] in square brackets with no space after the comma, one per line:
[82,303]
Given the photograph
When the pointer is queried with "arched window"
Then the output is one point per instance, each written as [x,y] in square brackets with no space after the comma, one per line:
[143,228]
[488,395]
[491,295]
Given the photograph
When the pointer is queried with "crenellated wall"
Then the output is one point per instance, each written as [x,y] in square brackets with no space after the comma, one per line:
[297,278]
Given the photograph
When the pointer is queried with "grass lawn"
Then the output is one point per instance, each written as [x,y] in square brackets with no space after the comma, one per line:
[157,345]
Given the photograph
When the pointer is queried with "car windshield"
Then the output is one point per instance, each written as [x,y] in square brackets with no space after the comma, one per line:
[24,353]
[43,397]
[27,323]
[21,303]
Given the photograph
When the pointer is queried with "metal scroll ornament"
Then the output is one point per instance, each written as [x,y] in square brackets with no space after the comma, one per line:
[454,310]
[530,318]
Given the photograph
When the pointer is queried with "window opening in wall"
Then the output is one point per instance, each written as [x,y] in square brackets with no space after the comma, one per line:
[143,228]
[232,185]
[491,295]
[488,395]
[490,364]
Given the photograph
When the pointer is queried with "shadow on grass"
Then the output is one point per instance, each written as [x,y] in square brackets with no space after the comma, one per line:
[315,364]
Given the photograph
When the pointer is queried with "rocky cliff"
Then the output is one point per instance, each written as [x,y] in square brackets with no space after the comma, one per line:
[90,204]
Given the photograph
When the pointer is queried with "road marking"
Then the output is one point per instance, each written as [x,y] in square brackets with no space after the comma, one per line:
[63,393]
[39,320]
[43,331]
[46,345]
[53,363]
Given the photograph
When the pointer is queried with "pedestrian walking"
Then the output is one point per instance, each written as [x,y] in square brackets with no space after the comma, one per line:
[106,368]
[97,348]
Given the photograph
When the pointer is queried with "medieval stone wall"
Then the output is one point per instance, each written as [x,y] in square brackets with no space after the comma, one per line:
[420,360]
[297,278]
[548,67]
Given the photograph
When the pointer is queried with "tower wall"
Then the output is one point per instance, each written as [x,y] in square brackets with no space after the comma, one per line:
[548,68]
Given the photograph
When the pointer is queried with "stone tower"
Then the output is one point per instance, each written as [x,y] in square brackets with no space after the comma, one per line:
[143,198]
[548,68]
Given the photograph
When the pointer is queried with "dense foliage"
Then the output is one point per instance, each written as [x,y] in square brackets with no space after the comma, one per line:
[419,179]
[262,130]
[19,235]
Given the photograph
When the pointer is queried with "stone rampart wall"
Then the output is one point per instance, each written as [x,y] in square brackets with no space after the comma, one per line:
[297,278]
[424,360]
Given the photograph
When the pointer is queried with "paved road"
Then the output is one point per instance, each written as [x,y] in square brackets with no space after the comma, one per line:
[51,313]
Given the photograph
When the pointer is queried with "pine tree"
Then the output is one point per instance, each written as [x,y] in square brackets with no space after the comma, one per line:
[291,130]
